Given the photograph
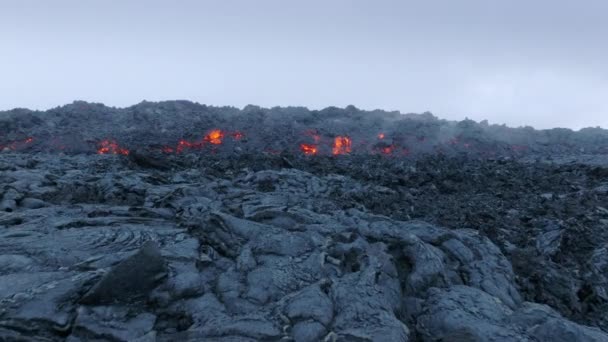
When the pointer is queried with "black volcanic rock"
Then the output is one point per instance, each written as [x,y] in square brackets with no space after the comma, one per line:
[249,240]
[131,279]
[80,126]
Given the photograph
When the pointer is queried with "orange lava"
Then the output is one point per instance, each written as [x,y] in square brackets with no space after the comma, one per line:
[309,149]
[16,145]
[387,150]
[184,144]
[215,137]
[111,147]
[342,145]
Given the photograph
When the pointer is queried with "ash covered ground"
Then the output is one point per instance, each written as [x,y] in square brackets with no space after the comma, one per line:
[146,224]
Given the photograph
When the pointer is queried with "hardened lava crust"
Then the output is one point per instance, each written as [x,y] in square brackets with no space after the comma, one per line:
[333,225]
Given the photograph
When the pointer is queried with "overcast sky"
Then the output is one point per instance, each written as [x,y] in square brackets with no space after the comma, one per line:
[542,63]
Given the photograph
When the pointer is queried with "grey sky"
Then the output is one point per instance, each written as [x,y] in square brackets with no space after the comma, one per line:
[536,62]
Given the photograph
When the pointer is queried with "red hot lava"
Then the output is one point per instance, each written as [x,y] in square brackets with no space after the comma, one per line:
[387,149]
[111,147]
[214,137]
[17,145]
[181,146]
[342,145]
[309,149]
[381,136]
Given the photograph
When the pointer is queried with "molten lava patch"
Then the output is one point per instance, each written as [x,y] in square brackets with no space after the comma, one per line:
[111,147]
[214,137]
[342,145]
[387,150]
[309,149]
[17,145]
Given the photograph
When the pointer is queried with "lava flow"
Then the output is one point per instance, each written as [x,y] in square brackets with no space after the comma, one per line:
[387,149]
[111,147]
[309,149]
[182,145]
[214,137]
[16,145]
[342,145]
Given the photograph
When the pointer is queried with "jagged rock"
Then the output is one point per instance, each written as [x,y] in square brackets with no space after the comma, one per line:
[147,160]
[186,284]
[107,322]
[237,249]
[8,203]
[308,331]
[131,279]
[32,203]
[467,314]
[312,303]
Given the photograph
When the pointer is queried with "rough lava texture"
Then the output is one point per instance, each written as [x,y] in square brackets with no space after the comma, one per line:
[286,247]
[82,127]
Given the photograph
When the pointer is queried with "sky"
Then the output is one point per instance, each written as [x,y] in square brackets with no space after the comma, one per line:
[542,63]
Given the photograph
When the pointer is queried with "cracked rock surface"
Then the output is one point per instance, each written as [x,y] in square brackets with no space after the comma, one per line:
[99,248]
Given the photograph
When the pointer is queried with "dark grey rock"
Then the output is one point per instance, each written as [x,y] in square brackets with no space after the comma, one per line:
[107,322]
[32,203]
[466,313]
[131,279]
[310,304]
[236,249]
[308,331]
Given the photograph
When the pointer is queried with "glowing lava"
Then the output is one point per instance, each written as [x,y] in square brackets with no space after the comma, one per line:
[387,149]
[381,136]
[214,137]
[16,145]
[111,147]
[309,149]
[181,145]
[342,145]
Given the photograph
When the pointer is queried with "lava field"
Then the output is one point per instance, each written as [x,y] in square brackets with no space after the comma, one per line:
[175,221]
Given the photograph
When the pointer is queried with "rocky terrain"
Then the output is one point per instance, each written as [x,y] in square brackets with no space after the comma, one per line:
[254,240]
[182,126]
